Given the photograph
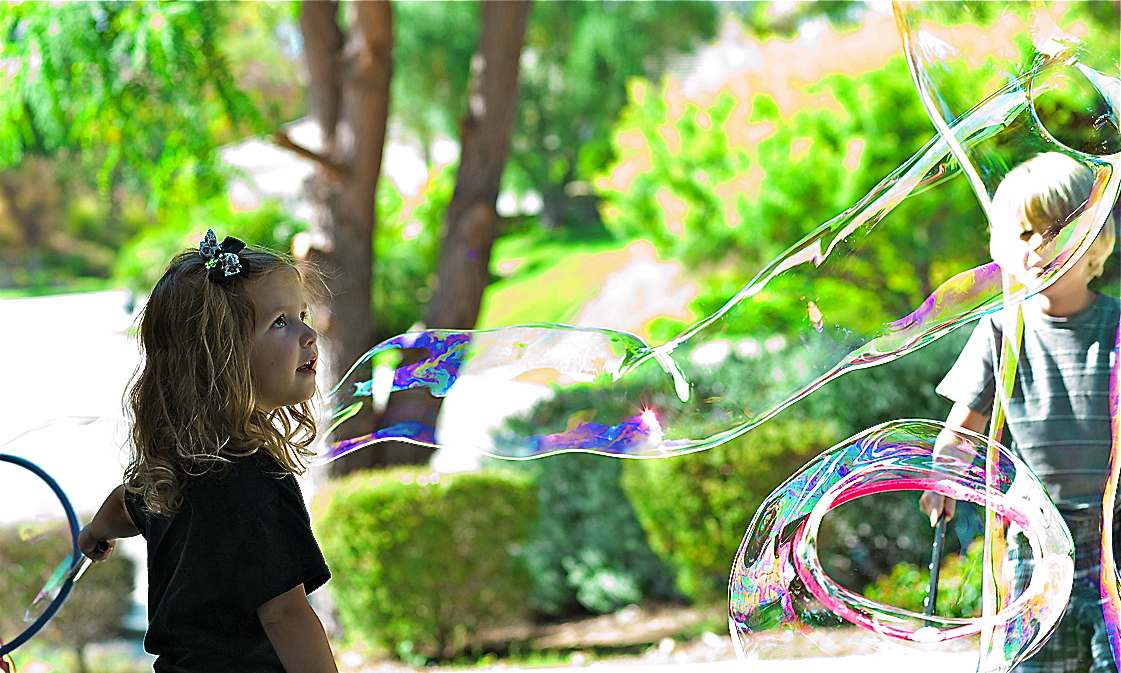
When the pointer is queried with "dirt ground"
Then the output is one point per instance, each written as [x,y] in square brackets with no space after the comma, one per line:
[661,634]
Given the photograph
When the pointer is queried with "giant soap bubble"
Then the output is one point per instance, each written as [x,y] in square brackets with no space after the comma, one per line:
[998,81]
[1072,99]
[649,400]
[778,581]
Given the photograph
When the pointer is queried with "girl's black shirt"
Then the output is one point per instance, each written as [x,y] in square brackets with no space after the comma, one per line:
[241,540]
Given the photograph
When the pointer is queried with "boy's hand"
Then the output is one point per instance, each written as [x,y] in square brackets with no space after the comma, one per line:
[94,548]
[935,505]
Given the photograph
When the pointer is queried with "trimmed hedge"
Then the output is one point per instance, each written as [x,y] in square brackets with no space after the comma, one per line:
[588,551]
[423,561]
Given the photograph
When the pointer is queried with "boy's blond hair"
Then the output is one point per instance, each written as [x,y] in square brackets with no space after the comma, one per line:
[1053,188]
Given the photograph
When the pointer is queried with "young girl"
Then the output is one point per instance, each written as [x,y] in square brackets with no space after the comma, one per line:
[220,422]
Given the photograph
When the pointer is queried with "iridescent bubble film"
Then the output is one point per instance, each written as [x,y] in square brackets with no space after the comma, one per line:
[647,400]
[1071,94]
[1002,83]
[779,582]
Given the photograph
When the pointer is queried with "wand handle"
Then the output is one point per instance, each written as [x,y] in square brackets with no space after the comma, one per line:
[935,565]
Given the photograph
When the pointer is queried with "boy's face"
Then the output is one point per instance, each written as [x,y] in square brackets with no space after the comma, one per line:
[1023,250]
[1026,253]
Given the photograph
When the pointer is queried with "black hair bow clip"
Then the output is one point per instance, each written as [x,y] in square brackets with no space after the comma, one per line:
[222,260]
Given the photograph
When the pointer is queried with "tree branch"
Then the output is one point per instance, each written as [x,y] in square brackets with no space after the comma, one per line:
[333,170]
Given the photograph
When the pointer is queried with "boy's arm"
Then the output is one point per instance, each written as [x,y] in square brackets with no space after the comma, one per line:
[296,633]
[961,417]
[112,521]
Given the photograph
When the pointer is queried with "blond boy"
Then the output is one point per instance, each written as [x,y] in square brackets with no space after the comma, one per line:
[1058,414]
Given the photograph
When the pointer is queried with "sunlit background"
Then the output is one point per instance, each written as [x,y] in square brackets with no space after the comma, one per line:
[661,155]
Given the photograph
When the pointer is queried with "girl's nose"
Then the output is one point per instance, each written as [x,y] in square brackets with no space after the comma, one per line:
[309,337]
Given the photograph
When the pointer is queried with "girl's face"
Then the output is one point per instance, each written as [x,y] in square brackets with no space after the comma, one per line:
[282,360]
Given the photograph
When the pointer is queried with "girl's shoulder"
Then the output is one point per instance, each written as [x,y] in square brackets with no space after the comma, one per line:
[255,479]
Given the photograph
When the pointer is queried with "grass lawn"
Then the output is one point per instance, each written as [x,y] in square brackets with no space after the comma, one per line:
[546,276]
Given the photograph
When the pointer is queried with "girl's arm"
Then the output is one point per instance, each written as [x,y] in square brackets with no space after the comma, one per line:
[111,522]
[296,633]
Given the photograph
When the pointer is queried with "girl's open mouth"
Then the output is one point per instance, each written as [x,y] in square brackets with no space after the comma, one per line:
[308,366]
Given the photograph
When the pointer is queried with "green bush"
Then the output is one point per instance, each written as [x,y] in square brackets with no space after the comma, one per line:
[959,585]
[588,551]
[853,550]
[95,607]
[696,508]
[423,561]
[725,184]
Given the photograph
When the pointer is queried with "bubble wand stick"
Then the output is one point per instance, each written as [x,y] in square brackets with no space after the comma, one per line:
[935,565]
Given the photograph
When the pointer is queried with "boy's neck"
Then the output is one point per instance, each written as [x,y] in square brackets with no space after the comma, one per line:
[1063,304]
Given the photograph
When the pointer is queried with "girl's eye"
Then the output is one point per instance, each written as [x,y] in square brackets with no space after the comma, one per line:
[303,316]
[279,322]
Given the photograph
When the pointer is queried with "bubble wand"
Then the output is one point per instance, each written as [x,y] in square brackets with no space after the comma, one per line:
[935,565]
[62,590]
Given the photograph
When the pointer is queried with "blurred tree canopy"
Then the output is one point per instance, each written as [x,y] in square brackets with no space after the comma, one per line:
[577,59]
[686,179]
[140,92]
[112,112]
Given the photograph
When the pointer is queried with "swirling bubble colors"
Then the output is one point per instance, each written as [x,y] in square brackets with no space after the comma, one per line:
[778,582]
[814,301]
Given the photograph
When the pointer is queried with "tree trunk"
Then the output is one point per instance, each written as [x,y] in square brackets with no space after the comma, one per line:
[349,87]
[471,219]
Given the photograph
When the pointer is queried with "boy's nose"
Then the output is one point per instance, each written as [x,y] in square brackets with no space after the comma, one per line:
[1035,242]
[1034,255]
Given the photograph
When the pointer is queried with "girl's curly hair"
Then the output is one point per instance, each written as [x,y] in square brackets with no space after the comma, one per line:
[191,400]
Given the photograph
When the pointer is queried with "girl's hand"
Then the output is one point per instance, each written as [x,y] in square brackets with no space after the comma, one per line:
[94,548]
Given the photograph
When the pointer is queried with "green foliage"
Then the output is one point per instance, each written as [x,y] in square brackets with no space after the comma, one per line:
[575,63]
[903,388]
[690,181]
[145,89]
[959,585]
[432,50]
[53,227]
[697,507]
[144,259]
[406,247]
[423,561]
[854,551]
[124,103]
[588,551]
[764,20]
[97,603]
[578,58]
